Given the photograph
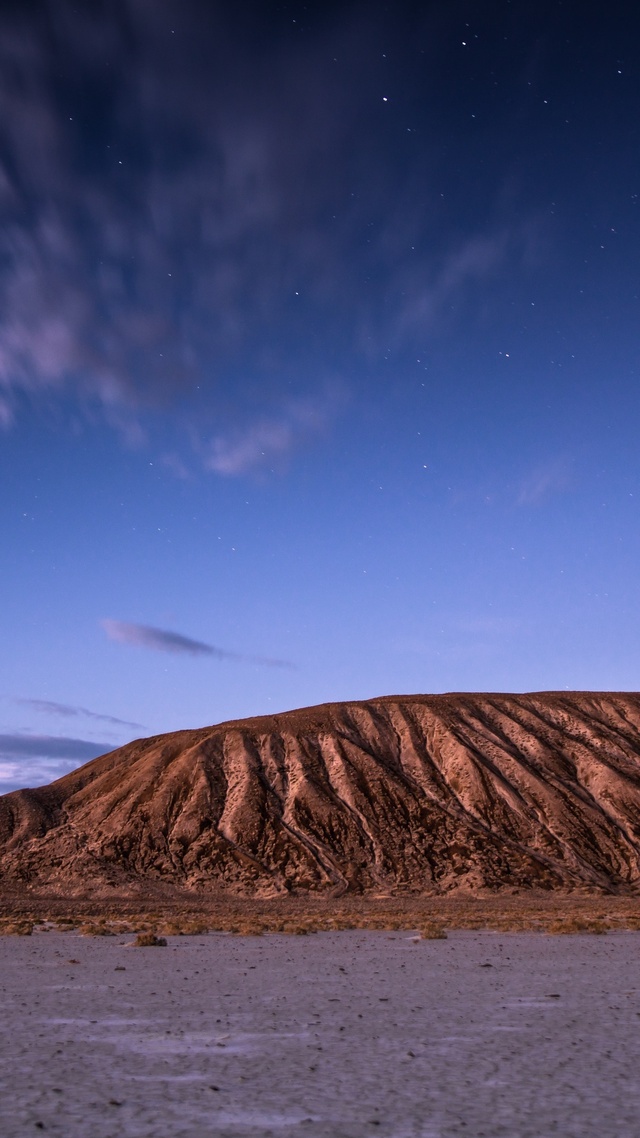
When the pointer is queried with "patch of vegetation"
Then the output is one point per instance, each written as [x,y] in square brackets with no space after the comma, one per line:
[16,928]
[577,925]
[149,940]
[432,931]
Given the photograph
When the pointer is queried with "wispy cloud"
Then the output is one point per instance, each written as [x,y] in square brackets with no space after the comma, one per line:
[69,711]
[429,289]
[185,221]
[256,446]
[163,640]
[270,440]
[553,477]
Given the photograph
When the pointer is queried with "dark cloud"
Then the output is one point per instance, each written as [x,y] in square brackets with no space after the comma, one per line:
[161,640]
[68,711]
[206,209]
[50,747]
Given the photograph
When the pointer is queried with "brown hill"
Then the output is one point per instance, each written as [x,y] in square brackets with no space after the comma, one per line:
[420,794]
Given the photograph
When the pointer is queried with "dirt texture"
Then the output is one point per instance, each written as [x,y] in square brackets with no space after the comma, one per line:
[339,1035]
[418,795]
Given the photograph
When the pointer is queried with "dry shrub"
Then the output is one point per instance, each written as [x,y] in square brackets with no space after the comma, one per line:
[169,928]
[183,928]
[576,925]
[432,931]
[516,924]
[93,929]
[256,927]
[149,940]
[193,928]
[246,928]
[16,928]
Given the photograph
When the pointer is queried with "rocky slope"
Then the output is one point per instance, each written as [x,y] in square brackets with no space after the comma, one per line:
[419,794]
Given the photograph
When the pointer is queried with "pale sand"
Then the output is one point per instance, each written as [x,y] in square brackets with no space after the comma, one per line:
[335,1034]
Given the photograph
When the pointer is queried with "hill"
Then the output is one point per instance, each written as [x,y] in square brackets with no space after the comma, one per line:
[397,795]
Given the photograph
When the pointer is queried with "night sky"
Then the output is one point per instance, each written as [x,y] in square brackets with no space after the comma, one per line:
[318,359]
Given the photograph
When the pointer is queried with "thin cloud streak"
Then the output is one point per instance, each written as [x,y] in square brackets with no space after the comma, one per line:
[163,640]
[68,711]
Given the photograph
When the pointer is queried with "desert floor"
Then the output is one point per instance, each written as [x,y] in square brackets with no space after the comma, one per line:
[335,1034]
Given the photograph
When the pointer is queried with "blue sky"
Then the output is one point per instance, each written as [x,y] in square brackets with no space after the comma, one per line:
[318,361]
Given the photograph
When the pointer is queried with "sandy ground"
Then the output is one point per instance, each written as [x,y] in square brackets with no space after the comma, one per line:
[335,1034]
